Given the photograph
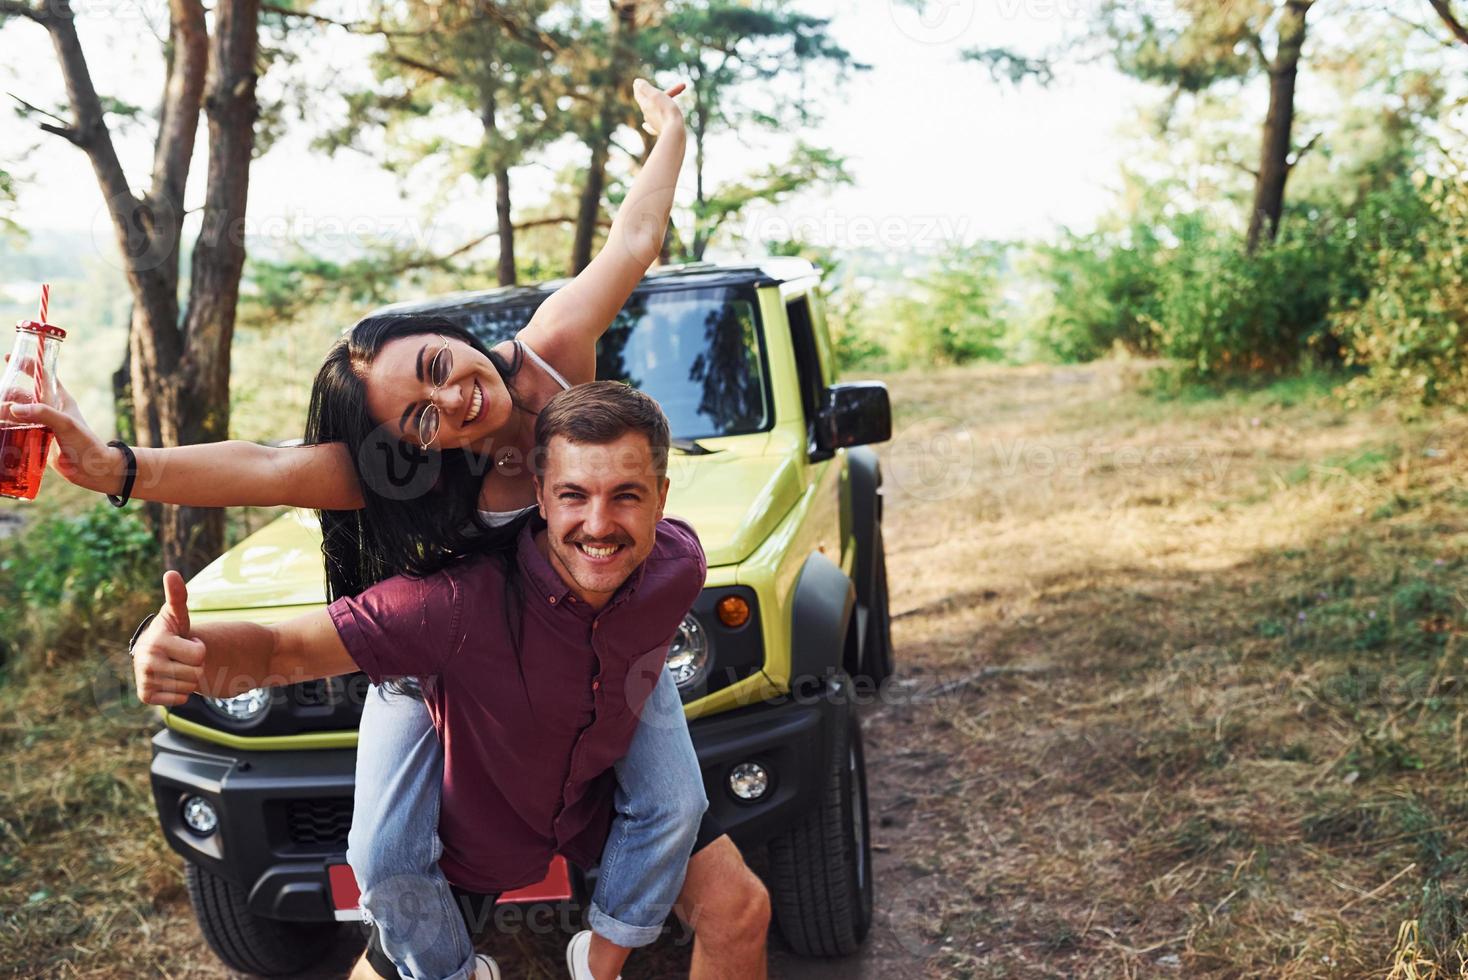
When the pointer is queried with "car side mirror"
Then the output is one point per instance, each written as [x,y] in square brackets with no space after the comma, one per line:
[854,414]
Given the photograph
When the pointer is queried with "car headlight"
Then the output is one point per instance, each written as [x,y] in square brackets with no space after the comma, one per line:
[242,707]
[688,655]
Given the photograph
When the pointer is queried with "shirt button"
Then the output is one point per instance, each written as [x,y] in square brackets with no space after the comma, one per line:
[552,600]
[596,685]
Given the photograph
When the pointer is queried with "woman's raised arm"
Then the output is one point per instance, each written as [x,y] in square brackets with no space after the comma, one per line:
[566,327]
[215,474]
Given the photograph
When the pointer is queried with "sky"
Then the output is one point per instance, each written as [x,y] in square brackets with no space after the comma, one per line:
[940,153]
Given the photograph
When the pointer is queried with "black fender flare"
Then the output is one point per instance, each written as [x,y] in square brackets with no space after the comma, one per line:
[866,515]
[822,613]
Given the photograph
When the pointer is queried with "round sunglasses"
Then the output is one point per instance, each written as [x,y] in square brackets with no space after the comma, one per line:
[439,370]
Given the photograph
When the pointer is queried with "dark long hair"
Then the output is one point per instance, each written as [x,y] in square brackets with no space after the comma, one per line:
[420,506]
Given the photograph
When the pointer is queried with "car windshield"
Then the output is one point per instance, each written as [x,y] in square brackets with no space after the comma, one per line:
[699,352]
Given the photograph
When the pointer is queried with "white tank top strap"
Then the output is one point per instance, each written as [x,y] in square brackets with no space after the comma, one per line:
[496,518]
[544,364]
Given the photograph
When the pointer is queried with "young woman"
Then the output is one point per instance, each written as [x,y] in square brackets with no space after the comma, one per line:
[421,392]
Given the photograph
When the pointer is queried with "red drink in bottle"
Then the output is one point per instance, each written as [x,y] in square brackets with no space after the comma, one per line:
[30,376]
[23,451]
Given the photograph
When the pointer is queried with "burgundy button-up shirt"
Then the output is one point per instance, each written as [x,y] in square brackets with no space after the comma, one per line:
[528,746]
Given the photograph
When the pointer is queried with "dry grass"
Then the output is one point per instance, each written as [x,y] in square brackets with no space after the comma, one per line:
[1236,744]
[1182,694]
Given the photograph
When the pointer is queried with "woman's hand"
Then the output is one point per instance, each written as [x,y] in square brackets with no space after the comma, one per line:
[82,458]
[659,112]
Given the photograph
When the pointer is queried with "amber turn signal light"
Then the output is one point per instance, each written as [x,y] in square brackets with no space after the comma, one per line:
[733,611]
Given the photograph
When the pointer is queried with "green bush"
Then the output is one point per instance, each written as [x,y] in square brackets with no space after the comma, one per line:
[1380,287]
[1103,290]
[953,312]
[66,581]
[1183,288]
[1409,329]
[1223,313]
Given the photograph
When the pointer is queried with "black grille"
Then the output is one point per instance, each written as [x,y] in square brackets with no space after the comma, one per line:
[317,822]
[315,694]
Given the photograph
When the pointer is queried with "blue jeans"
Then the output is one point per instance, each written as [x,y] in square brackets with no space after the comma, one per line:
[394,848]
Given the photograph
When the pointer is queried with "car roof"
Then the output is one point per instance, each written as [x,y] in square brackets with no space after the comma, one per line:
[755,272]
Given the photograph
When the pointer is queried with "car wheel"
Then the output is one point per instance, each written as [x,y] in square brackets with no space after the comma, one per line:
[821,869]
[248,942]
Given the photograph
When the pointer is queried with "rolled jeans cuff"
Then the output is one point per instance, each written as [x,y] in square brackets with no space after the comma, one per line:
[620,933]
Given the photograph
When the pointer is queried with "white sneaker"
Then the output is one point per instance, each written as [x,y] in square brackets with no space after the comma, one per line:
[578,956]
[486,968]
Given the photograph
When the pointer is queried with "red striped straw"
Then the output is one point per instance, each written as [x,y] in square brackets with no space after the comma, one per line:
[45,299]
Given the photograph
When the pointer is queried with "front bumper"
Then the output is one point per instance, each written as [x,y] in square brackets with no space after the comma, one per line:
[284,816]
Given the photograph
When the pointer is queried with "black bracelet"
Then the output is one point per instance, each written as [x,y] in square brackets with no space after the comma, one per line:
[137,633]
[130,475]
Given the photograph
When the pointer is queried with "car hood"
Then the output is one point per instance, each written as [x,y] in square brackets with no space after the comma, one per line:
[733,496]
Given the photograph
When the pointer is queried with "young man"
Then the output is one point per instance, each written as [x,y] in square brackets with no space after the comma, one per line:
[535,658]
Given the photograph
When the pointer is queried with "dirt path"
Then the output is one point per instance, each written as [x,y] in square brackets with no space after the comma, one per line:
[1182,693]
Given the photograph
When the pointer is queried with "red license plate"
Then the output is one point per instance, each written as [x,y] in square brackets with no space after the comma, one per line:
[346,896]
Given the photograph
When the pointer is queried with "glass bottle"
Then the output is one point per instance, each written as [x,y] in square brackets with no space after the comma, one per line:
[30,376]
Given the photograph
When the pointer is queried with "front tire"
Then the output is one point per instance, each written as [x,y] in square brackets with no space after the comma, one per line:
[248,942]
[822,867]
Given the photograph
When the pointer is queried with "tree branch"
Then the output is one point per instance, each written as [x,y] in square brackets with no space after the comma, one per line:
[90,123]
[1257,43]
[60,127]
[422,66]
[65,132]
[350,26]
[1444,10]
[1423,29]
[38,110]
[1300,153]
[560,220]
[1245,168]
[532,36]
[15,8]
[178,116]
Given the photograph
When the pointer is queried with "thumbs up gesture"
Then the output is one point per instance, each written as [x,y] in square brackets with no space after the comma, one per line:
[168,663]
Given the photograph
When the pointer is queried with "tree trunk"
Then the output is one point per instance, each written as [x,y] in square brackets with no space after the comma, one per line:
[700,197]
[178,374]
[505,226]
[507,274]
[624,28]
[1444,10]
[193,536]
[591,192]
[122,392]
[1274,156]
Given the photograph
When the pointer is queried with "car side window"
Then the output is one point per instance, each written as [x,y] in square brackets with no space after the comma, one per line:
[807,360]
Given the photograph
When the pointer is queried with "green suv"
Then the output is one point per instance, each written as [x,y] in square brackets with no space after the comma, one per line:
[256,791]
